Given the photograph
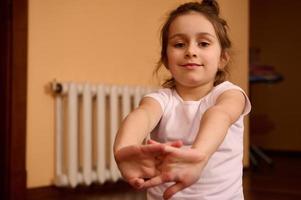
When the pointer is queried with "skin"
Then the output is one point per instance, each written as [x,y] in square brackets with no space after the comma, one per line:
[136,161]
[193,57]
[191,44]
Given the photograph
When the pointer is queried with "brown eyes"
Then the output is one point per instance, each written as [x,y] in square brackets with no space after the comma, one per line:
[179,45]
[203,44]
[182,44]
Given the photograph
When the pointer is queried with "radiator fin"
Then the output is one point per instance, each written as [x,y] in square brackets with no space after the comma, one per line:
[87,120]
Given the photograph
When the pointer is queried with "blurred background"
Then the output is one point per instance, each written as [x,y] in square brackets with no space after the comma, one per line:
[111,42]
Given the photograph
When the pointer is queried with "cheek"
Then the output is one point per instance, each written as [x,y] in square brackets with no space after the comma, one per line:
[171,57]
[214,58]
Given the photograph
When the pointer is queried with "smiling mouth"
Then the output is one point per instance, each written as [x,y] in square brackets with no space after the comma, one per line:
[191,65]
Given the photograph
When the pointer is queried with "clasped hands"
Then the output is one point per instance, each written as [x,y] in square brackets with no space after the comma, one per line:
[145,166]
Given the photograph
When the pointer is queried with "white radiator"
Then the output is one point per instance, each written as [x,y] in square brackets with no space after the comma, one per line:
[87,117]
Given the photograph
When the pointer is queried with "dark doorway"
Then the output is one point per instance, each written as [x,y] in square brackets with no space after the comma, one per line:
[13,82]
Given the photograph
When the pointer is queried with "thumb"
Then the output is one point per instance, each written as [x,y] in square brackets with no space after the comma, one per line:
[153,182]
[137,183]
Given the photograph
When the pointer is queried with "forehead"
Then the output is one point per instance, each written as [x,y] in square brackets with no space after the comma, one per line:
[191,23]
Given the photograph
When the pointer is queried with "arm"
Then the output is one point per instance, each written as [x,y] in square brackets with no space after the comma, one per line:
[134,160]
[217,120]
[138,124]
[184,166]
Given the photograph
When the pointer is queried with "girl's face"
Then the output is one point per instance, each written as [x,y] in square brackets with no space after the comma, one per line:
[193,51]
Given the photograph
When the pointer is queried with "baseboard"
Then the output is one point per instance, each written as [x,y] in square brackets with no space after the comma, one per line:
[79,192]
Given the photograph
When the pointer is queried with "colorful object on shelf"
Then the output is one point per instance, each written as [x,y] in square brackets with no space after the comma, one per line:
[264,74]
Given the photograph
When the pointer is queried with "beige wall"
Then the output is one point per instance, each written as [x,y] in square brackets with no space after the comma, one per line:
[99,41]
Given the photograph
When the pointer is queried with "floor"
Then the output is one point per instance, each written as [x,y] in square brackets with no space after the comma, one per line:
[282,181]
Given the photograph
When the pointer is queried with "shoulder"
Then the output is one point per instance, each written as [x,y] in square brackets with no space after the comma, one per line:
[162,96]
[227,90]
[225,87]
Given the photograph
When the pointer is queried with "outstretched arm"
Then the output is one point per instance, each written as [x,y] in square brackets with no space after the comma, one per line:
[217,120]
[138,124]
[134,160]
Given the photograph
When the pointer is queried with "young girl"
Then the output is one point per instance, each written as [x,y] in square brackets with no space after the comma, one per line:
[196,121]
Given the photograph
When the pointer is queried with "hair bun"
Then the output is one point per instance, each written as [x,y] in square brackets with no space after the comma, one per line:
[212,4]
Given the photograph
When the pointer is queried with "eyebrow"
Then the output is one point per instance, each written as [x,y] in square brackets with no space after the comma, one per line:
[199,34]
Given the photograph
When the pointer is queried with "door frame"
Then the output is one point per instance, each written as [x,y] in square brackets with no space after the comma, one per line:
[13,98]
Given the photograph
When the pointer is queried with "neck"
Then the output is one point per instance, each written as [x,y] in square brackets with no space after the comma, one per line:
[193,93]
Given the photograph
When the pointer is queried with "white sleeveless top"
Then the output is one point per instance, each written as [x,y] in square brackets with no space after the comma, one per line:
[221,178]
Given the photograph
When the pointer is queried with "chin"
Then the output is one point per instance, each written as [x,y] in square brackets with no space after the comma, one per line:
[192,84]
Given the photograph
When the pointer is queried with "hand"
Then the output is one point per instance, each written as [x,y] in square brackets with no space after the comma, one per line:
[139,162]
[182,166]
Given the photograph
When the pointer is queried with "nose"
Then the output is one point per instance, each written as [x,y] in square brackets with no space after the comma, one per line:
[191,51]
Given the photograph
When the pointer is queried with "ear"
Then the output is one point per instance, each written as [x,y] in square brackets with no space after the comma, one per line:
[224,59]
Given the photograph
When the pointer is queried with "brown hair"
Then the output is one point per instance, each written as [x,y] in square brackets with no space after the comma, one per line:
[210,9]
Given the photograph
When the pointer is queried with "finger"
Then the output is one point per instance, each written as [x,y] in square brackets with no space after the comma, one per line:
[161,178]
[188,154]
[157,180]
[170,191]
[137,183]
[150,141]
[171,149]
[176,143]
[152,148]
